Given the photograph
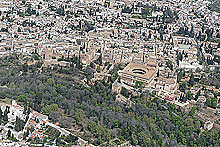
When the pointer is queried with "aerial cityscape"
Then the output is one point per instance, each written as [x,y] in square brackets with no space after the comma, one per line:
[89,73]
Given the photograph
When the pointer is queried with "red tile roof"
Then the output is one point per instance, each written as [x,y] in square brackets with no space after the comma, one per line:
[43,121]
[37,132]
[18,107]
[167,97]
[33,123]
[36,113]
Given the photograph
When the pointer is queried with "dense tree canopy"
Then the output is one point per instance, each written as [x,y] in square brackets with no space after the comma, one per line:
[94,110]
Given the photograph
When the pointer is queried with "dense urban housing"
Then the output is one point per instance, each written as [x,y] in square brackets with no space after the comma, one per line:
[110,73]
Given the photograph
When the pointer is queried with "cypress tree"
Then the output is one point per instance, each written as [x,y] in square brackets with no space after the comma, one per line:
[9,133]
[0,113]
[191,80]
[5,117]
[218,45]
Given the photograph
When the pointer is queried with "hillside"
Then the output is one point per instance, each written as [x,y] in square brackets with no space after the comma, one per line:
[215,6]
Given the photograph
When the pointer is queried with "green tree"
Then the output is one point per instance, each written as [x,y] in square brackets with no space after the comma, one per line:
[144,139]
[28,111]
[218,45]
[107,135]
[2,94]
[50,108]
[115,124]
[1,113]
[5,116]
[51,82]
[197,124]
[99,140]
[189,95]
[22,98]
[214,102]
[179,76]
[25,67]
[184,142]
[182,86]
[191,80]
[19,29]
[19,124]
[193,110]
[98,69]
[92,127]
[100,59]
[139,84]
[78,63]
[169,64]
[79,116]
[134,140]
[9,133]
[189,121]
[208,101]
[92,65]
